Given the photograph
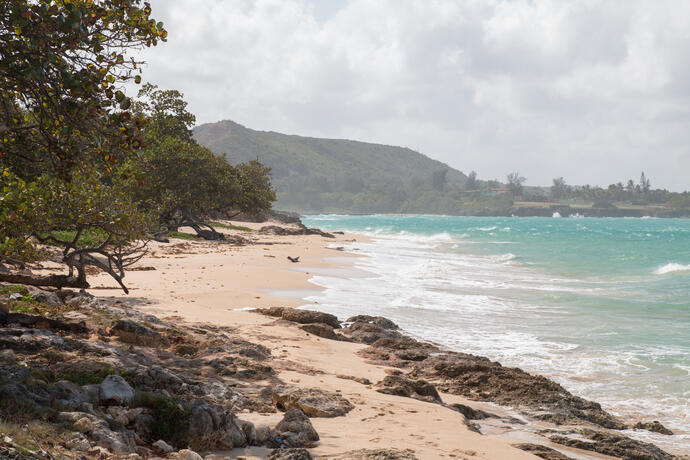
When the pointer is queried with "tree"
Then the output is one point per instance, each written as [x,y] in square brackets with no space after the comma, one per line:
[471,183]
[515,182]
[439,179]
[65,124]
[182,183]
[559,189]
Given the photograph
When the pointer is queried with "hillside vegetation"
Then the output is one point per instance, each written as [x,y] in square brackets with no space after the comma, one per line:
[336,175]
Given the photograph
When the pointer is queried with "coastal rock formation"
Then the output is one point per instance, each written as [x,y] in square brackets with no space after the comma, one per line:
[313,402]
[289,454]
[610,443]
[544,452]
[295,430]
[325,331]
[409,388]
[115,390]
[301,316]
[369,329]
[132,332]
[654,426]
[300,230]
[375,454]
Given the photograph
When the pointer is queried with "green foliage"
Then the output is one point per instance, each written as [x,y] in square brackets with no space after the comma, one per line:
[231,227]
[13,289]
[171,418]
[330,174]
[181,182]
[183,236]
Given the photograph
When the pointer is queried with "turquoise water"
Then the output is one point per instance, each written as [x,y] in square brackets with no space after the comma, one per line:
[600,305]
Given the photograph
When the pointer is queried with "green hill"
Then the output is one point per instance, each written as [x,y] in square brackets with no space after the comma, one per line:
[333,175]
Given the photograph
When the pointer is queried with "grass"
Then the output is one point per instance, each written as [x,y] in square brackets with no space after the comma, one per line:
[231,227]
[9,290]
[90,238]
[171,420]
[183,236]
[31,436]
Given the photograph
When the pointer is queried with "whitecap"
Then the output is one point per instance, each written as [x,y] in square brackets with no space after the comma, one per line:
[671,268]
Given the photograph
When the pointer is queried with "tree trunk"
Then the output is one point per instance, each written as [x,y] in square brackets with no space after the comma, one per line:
[58,281]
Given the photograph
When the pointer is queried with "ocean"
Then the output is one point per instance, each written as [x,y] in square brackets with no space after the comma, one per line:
[602,306]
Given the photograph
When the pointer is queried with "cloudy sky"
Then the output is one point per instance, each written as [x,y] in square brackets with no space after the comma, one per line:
[595,91]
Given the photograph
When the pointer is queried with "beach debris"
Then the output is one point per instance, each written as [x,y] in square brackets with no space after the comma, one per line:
[312,401]
[294,260]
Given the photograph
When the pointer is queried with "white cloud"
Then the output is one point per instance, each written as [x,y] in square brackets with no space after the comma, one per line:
[595,91]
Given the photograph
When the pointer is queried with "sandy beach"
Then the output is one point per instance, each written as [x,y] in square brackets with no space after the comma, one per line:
[205,282]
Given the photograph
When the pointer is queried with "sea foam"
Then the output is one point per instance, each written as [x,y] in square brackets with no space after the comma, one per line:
[671,268]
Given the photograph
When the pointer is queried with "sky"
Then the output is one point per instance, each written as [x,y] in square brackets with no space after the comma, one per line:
[594,91]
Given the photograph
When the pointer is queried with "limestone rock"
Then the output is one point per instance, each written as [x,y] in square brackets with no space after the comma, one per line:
[323,330]
[654,426]
[409,388]
[375,454]
[311,401]
[186,454]
[131,332]
[115,390]
[290,454]
[547,453]
[309,317]
[162,447]
[295,430]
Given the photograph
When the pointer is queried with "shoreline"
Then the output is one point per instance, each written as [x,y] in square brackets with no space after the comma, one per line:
[200,285]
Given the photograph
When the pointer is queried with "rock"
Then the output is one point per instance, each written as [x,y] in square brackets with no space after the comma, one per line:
[375,454]
[249,431]
[311,401]
[264,435]
[162,447]
[362,380]
[78,442]
[84,425]
[131,332]
[186,454]
[115,390]
[75,316]
[143,425]
[296,430]
[99,452]
[409,388]
[310,316]
[48,297]
[4,306]
[654,426]
[289,454]
[611,443]
[70,394]
[283,231]
[325,331]
[544,452]
[213,428]
[472,414]
[366,332]
[380,321]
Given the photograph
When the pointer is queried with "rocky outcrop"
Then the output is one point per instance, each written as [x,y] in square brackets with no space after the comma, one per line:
[115,390]
[610,443]
[289,454]
[325,331]
[401,386]
[286,231]
[368,329]
[301,316]
[655,427]
[375,454]
[311,401]
[295,430]
[135,333]
[544,452]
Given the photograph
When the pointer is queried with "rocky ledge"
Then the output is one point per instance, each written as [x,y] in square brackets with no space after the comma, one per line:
[425,369]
